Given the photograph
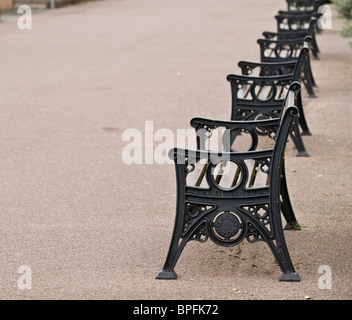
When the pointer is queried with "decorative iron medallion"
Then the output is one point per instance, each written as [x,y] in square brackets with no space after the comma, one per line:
[227,226]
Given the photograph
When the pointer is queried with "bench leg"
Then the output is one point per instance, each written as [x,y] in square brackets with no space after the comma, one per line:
[290,277]
[315,49]
[179,239]
[315,44]
[297,140]
[302,119]
[314,84]
[279,249]
[286,206]
[168,273]
[308,80]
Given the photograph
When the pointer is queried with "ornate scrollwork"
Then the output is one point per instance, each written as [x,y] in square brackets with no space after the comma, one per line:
[264,165]
[190,167]
[204,132]
[262,130]
[192,212]
[201,233]
[286,48]
[208,132]
[260,213]
[249,70]
[189,164]
[272,133]
[243,114]
[271,71]
[240,84]
[267,131]
[253,234]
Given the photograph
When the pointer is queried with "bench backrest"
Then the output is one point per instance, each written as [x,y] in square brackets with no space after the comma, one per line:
[280,50]
[231,173]
[302,5]
[287,22]
[266,68]
[255,97]
[262,97]
[294,67]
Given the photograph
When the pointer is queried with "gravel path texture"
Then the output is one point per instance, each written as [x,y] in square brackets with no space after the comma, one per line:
[83,223]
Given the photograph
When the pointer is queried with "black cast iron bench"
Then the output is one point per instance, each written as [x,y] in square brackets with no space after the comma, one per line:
[255,98]
[259,69]
[231,207]
[304,5]
[261,96]
[297,22]
[288,50]
[297,33]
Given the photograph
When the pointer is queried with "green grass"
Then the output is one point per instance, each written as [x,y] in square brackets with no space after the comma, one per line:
[347,30]
[344,7]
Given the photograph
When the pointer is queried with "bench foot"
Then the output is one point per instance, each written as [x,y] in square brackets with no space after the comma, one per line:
[293,226]
[302,154]
[312,96]
[290,277]
[306,133]
[166,275]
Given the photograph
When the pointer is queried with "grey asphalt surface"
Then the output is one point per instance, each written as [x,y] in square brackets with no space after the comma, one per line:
[91,227]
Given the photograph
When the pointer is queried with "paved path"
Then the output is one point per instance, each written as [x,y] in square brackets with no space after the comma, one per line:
[91,227]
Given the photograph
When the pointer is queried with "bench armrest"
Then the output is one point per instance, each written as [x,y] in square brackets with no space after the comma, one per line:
[298,41]
[261,79]
[284,34]
[298,14]
[187,156]
[266,68]
[270,35]
[231,129]
[199,122]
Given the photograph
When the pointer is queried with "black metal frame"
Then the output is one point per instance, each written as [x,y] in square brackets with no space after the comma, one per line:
[293,68]
[283,34]
[303,5]
[228,216]
[288,50]
[274,77]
